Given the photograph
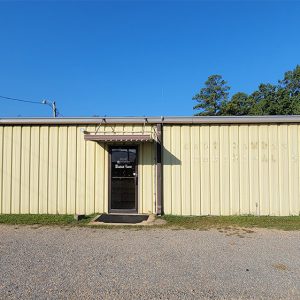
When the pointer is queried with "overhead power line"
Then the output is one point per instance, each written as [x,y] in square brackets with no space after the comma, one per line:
[21,100]
[52,104]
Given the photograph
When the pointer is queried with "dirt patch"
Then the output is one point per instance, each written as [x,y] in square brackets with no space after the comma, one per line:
[280,267]
[236,231]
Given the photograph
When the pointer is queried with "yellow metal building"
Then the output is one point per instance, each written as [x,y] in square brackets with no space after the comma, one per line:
[172,165]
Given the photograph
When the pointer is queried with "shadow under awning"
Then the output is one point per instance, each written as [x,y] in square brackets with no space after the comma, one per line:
[118,138]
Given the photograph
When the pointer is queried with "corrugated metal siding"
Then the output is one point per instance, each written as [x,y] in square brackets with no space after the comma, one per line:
[51,169]
[231,169]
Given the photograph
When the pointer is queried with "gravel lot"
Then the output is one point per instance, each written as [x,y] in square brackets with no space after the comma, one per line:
[54,262]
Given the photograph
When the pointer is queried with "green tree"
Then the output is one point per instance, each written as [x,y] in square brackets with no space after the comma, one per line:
[239,105]
[264,101]
[279,99]
[289,93]
[212,97]
[291,82]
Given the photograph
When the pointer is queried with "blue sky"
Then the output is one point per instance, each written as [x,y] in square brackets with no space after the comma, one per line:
[130,58]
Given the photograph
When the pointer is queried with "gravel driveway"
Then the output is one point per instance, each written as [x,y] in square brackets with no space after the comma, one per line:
[54,262]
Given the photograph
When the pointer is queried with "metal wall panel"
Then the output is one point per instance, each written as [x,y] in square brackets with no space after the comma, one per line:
[50,169]
[7,174]
[1,167]
[231,169]
[205,204]
[25,170]
[195,170]
[71,169]
[34,169]
[186,170]
[44,170]
[207,169]
[16,170]
[224,171]
[167,170]
[62,168]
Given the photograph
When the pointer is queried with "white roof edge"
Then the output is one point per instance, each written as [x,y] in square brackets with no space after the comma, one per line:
[153,120]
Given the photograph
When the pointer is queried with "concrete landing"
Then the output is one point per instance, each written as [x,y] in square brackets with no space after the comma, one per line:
[126,219]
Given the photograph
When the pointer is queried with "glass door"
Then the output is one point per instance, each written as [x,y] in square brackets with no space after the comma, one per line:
[124,179]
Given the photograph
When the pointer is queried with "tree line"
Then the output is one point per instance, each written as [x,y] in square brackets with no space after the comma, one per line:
[282,98]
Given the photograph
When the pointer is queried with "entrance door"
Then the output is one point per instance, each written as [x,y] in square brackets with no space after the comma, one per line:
[124,180]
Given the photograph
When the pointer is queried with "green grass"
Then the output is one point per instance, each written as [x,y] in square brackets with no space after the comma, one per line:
[43,219]
[173,222]
[207,222]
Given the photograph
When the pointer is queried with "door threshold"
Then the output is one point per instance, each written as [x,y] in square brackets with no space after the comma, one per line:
[123,212]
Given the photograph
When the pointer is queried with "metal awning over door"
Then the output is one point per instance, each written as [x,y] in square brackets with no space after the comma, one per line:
[105,138]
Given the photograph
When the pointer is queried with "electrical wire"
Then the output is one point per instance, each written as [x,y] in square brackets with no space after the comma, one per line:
[29,101]
[21,100]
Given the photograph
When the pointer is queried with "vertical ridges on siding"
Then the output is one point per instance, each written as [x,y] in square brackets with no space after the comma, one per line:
[195,173]
[224,171]
[34,169]
[90,175]
[16,170]
[99,178]
[215,169]
[214,147]
[176,170]
[154,177]
[71,169]
[254,170]
[167,170]
[81,174]
[205,170]
[298,196]
[185,170]
[44,169]
[140,178]
[145,181]
[62,170]
[283,169]
[53,167]
[242,169]
[234,171]
[264,169]
[274,171]
[141,169]
[293,169]
[1,168]
[7,170]
[25,170]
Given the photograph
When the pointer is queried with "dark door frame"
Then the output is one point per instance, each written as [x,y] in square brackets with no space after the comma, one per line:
[133,211]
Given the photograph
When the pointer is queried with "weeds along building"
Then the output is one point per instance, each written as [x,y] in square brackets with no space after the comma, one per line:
[171,165]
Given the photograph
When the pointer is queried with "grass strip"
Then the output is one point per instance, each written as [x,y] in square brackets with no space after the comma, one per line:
[173,222]
[28,219]
[207,222]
